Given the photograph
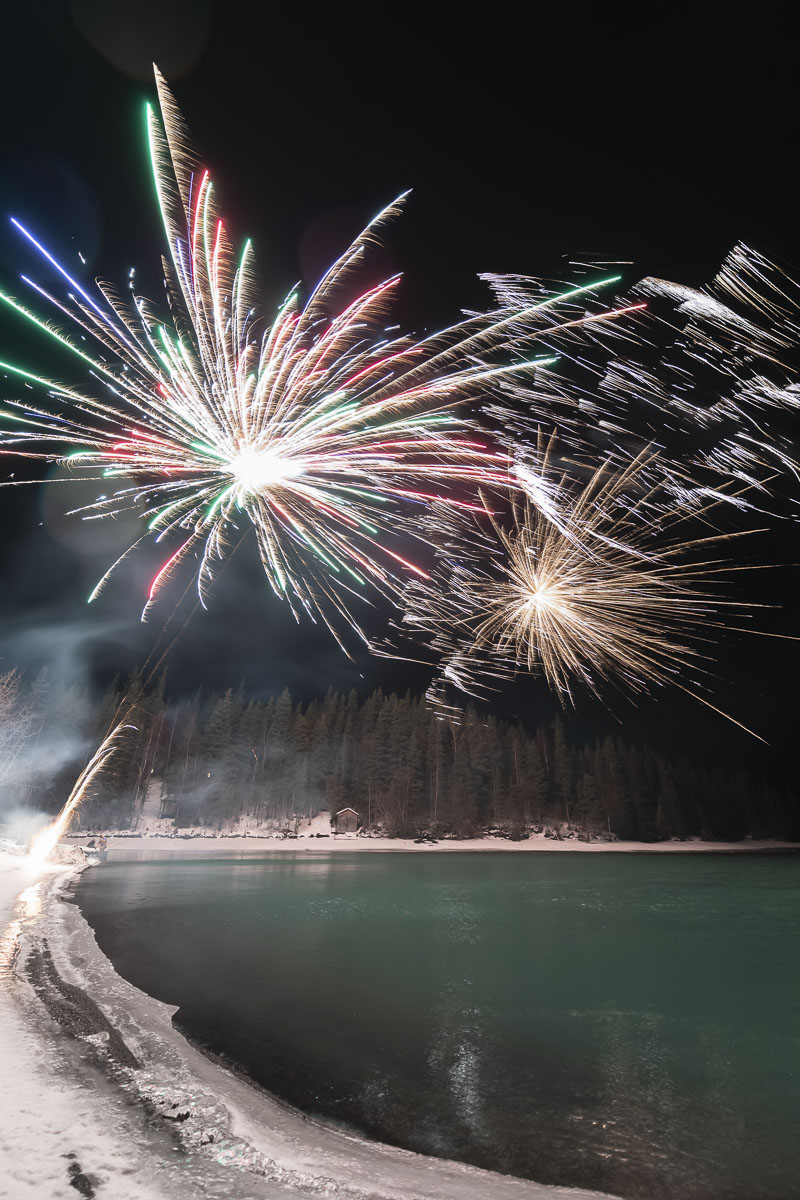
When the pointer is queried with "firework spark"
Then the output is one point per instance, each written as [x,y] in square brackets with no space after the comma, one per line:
[45,842]
[325,431]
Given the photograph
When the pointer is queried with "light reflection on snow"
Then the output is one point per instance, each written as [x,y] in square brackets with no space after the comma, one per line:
[28,905]
[9,947]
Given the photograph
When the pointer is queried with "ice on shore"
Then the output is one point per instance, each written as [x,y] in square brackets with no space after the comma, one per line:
[75,1116]
[56,1122]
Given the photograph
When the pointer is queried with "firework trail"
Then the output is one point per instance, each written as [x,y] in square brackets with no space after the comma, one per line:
[709,377]
[45,842]
[327,432]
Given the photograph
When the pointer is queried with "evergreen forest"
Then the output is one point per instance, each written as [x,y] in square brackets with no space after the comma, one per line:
[228,761]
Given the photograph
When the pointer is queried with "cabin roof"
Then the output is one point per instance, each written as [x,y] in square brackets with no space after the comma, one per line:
[344,810]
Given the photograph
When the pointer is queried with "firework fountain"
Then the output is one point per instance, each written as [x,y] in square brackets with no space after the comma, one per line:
[45,842]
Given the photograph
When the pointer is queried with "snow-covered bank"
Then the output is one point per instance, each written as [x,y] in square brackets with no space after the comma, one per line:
[58,1131]
[175,1124]
[154,836]
[125,846]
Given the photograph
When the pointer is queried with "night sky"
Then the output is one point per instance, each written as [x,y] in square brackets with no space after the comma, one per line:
[631,133]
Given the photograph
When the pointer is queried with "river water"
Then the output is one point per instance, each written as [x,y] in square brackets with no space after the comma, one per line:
[629,1023]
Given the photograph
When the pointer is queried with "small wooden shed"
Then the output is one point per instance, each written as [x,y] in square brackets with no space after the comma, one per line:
[346,821]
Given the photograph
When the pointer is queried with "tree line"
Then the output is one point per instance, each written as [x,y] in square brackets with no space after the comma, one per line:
[221,760]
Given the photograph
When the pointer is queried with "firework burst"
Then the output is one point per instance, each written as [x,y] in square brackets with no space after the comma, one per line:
[586,582]
[327,433]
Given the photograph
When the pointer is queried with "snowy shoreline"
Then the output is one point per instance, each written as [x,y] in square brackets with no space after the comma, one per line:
[124,846]
[176,1123]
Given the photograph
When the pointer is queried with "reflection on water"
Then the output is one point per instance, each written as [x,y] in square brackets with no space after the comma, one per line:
[454,1054]
[614,1022]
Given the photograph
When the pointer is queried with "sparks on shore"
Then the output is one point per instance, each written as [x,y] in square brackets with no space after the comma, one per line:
[46,841]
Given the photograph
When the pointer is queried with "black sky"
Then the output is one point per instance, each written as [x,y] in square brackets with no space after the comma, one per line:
[647,133]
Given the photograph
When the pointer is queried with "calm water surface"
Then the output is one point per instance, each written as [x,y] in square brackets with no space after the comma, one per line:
[623,1022]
